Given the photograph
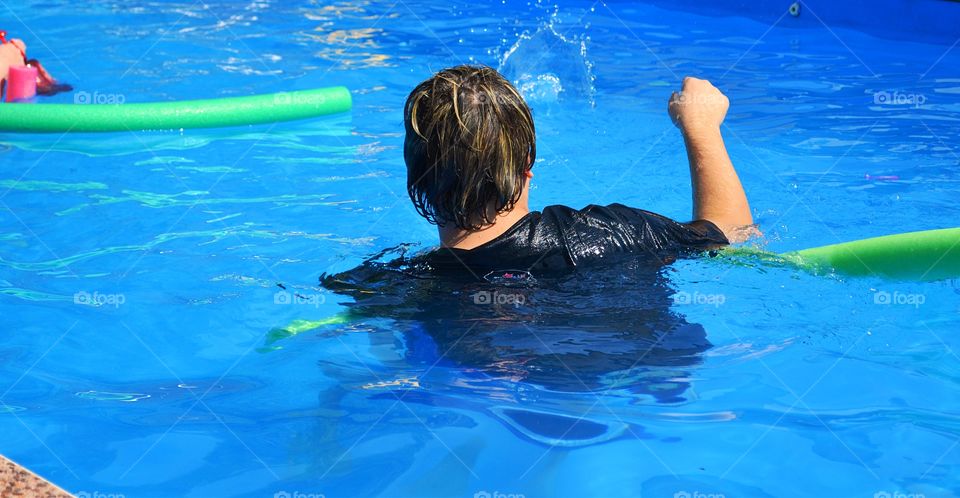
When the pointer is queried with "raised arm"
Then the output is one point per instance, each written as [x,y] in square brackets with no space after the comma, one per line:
[698,110]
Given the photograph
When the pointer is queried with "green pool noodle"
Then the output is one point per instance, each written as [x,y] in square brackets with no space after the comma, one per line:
[919,256]
[300,326]
[208,113]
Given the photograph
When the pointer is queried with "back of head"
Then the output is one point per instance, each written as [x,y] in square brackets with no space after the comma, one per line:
[469,141]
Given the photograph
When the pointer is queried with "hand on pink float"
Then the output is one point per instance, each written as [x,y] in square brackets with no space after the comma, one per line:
[11,54]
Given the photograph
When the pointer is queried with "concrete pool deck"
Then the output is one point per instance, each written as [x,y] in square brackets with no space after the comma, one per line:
[16,481]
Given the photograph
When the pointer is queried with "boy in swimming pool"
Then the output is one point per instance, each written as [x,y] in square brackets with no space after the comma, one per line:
[470,147]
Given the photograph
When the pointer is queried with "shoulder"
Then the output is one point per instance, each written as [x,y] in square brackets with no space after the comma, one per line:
[613,213]
[638,226]
[591,210]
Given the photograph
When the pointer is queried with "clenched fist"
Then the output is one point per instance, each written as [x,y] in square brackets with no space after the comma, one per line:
[699,105]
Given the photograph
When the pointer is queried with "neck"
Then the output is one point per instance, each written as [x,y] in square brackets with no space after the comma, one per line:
[451,236]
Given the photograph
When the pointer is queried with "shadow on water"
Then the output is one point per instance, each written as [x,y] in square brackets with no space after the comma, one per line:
[534,352]
[592,330]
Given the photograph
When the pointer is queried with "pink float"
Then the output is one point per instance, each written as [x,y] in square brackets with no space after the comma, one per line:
[21,83]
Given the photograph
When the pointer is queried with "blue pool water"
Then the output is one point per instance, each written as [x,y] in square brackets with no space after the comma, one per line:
[179,384]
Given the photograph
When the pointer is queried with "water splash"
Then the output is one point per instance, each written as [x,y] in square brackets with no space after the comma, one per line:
[547,66]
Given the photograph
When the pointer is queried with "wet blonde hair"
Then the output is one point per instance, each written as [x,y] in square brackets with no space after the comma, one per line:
[469,141]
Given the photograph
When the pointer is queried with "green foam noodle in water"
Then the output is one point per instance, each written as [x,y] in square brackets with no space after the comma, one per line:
[300,326]
[208,113]
[920,256]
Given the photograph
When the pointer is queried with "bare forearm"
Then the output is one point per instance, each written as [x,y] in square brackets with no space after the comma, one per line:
[698,110]
[718,195]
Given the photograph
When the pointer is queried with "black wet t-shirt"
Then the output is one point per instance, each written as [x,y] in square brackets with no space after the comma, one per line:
[588,308]
[562,238]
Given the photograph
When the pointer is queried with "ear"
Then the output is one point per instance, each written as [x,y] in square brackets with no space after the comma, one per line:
[528,173]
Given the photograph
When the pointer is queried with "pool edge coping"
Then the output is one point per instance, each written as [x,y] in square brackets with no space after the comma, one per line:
[17,478]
